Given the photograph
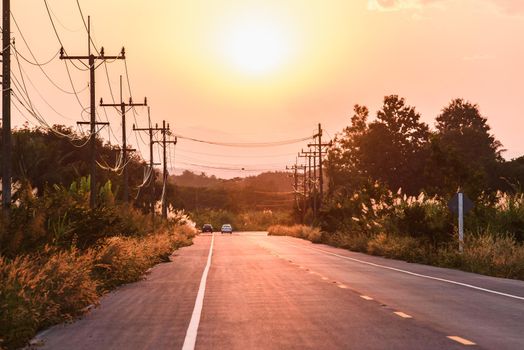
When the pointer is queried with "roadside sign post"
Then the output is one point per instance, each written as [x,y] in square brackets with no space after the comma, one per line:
[460,204]
[461,220]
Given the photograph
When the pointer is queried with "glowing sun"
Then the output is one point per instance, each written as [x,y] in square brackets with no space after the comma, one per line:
[255,46]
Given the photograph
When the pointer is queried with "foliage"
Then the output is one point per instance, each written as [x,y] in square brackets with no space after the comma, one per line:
[312,234]
[121,260]
[62,217]
[486,253]
[399,151]
[375,209]
[44,158]
[393,148]
[266,191]
[251,220]
[37,291]
[56,285]
[465,154]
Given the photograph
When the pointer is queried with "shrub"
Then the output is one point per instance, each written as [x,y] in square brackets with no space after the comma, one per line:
[54,285]
[120,260]
[312,234]
[356,241]
[399,247]
[42,290]
[251,220]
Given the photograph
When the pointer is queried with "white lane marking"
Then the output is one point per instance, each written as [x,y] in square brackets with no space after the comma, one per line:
[343,286]
[461,340]
[365,297]
[191,333]
[401,314]
[415,274]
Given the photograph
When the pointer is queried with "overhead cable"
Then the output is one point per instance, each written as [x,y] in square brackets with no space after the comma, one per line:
[246,144]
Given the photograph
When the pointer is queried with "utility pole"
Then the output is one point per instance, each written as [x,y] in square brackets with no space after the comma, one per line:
[93,123]
[6,106]
[123,107]
[150,131]
[296,191]
[307,177]
[165,131]
[295,179]
[320,169]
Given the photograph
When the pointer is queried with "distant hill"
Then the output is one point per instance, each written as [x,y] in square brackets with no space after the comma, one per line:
[268,181]
[271,190]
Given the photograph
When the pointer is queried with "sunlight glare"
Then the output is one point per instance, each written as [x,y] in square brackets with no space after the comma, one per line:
[255,47]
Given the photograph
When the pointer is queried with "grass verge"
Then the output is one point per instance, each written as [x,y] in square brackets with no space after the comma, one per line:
[485,253]
[53,286]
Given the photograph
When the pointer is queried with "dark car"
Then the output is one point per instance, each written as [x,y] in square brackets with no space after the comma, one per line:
[207,228]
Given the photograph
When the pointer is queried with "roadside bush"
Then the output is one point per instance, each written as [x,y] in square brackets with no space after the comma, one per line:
[251,220]
[260,220]
[355,241]
[62,218]
[54,285]
[399,247]
[37,291]
[484,253]
[312,234]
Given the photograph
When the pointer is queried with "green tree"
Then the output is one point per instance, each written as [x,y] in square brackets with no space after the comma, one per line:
[463,151]
[344,165]
[394,148]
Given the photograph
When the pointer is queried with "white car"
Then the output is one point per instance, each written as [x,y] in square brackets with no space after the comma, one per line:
[226,228]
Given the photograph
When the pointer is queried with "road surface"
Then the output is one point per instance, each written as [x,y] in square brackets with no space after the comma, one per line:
[251,291]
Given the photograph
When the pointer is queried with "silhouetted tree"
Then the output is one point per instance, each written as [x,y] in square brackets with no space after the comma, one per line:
[344,158]
[394,148]
[463,151]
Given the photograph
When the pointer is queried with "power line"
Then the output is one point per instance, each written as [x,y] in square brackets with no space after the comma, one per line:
[123,107]
[225,164]
[58,36]
[246,144]
[228,155]
[86,26]
[62,24]
[93,123]
[22,71]
[228,168]
[135,113]
[36,60]
[35,63]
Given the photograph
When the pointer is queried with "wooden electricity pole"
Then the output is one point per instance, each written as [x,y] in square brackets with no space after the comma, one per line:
[93,123]
[6,106]
[319,153]
[123,107]
[151,131]
[165,131]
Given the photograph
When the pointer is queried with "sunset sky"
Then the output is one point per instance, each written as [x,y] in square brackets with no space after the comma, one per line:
[261,71]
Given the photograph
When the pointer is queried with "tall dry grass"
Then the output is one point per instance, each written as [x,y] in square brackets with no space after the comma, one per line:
[312,234]
[37,291]
[54,285]
[498,255]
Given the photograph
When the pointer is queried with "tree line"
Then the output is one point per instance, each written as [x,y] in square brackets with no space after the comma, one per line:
[400,151]
[43,158]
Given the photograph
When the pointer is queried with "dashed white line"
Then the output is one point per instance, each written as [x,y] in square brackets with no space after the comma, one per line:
[401,314]
[191,333]
[365,297]
[461,340]
[413,273]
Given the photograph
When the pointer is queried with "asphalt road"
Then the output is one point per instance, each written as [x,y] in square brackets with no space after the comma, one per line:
[259,292]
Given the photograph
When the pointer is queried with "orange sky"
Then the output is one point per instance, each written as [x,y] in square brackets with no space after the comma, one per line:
[253,71]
